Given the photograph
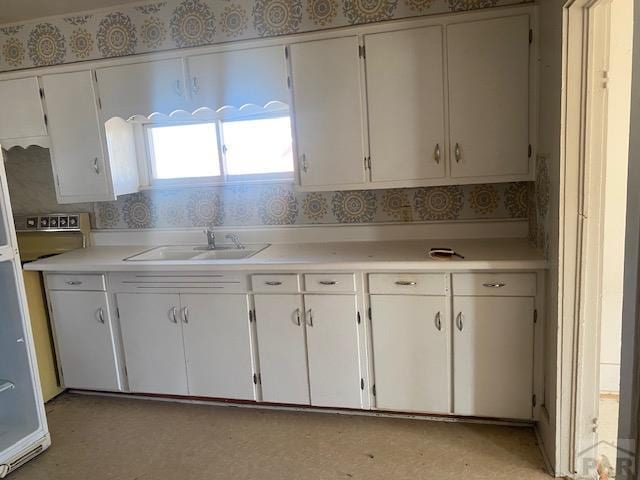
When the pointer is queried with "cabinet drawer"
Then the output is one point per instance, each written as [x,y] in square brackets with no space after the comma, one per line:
[330,282]
[76,282]
[407,284]
[275,283]
[495,284]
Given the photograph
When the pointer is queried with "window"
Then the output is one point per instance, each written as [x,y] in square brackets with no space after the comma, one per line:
[237,149]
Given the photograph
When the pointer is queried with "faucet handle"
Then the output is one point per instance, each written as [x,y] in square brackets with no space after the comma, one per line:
[235,239]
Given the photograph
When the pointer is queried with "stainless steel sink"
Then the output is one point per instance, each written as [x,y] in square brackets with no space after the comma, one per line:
[196,253]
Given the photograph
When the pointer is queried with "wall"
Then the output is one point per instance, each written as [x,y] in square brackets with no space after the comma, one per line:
[31,184]
[163,25]
[280,204]
[615,195]
[547,203]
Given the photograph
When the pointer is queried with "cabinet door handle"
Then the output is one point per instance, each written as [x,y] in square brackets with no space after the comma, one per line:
[185,314]
[458,153]
[303,162]
[74,283]
[460,321]
[173,314]
[297,312]
[96,167]
[309,317]
[436,153]
[195,86]
[178,87]
[438,321]
[273,283]
[494,285]
[328,282]
[405,283]
[101,315]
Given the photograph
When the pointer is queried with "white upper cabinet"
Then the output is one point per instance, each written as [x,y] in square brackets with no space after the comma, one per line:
[142,88]
[328,112]
[91,161]
[488,66]
[217,344]
[21,115]
[236,78]
[405,95]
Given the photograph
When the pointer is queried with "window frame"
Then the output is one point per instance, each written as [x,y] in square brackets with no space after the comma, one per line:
[224,178]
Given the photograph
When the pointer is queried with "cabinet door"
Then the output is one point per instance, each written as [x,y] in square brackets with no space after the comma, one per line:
[328,111]
[142,88]
[410,353]
[256,76]
[405,96]
[75,136]
[332,343]
[493,356]
[217,344]
[152,339]
[489,96]
[84,340]
[21,115]
[282,349]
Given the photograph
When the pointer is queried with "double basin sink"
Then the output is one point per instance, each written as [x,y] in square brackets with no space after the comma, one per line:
[196,253]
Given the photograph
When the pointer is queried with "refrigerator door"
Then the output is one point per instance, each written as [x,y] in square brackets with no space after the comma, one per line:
[23,427]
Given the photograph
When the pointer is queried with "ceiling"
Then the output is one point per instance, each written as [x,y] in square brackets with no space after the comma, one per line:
[12,11]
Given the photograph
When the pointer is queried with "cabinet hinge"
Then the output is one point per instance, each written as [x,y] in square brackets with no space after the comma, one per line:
[41,93]
[288,82]
[255,379]
[535,316]
[46,120]
[530,150]
[533,400]
[373,389]
[358,318]
[530,35]
[362,53]
[362,384]
[286,52]
[369,313]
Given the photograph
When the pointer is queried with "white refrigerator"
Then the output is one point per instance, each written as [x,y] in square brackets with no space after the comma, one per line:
[23,425]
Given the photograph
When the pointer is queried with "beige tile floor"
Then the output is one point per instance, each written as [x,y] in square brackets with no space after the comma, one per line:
[115,438]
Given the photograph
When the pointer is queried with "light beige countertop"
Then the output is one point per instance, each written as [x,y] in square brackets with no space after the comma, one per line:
[485,254]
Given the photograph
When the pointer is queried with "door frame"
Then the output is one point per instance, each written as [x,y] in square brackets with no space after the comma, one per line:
[580,234]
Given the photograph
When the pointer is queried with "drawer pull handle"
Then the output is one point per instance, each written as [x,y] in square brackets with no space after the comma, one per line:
[272,283]
[460,321]
[101,315]
[74,283]
[405,283]
[438,322]
[328,282]
[494,285]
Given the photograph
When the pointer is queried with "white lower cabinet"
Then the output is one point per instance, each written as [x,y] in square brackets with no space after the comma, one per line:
[493,356]
[410,353]
[332,347]
[282,348]
[84,340]
[217,344]
[152,340]
[195,344]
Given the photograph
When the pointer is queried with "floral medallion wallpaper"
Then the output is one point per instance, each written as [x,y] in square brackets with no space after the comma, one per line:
[280,204]
[164,25]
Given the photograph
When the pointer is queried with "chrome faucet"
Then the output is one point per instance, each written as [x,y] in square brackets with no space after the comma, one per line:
[236,241]
[211,239]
